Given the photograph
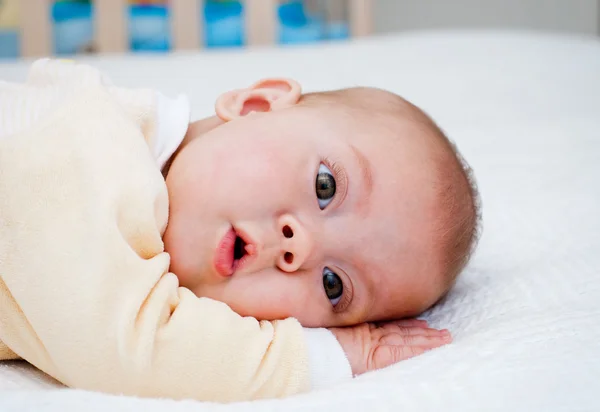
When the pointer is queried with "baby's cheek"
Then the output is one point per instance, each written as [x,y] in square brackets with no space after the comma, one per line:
[179,265]
[188,251]
[271,295]
[261,185]
[251,166]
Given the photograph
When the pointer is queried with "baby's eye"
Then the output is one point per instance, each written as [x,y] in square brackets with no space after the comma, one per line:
[325,186]
[333,285]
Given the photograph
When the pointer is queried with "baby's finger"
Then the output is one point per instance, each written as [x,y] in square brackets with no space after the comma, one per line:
[387,355]
[416,331]
[425,342]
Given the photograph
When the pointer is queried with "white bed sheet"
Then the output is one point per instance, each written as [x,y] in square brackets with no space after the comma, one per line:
[525,110]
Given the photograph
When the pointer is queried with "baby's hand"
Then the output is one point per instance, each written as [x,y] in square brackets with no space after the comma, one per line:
[374,346]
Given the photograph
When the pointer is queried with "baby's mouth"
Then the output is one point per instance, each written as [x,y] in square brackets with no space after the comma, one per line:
[232,252]
[239,251]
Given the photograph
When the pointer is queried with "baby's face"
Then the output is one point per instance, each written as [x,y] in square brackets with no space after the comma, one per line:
[306,213]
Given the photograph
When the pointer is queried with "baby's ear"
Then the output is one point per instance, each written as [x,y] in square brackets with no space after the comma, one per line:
[263,96]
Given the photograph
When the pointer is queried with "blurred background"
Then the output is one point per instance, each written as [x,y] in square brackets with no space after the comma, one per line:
[298,21]
[575,16]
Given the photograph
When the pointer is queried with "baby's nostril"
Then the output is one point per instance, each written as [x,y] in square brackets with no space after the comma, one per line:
[287,231]
[288,257]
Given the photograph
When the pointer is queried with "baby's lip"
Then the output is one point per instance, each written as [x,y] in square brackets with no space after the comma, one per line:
[226,262]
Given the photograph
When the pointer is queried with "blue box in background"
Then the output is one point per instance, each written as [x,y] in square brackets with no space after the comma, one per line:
[149,27]
[73,28]
[224,24]
[9,43]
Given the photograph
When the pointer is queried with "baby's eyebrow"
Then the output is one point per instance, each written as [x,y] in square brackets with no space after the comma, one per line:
[367,178]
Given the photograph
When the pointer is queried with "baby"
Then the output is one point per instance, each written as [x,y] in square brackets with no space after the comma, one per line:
[338,209]
[335,208]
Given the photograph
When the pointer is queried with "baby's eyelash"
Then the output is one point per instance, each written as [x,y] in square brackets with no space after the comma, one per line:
[346,298]
[335,168]
[340,176]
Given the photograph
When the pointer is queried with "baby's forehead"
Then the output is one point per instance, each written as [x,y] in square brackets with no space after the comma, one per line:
[371,114]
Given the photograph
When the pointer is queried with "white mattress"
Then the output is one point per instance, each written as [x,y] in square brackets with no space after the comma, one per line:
[525,110]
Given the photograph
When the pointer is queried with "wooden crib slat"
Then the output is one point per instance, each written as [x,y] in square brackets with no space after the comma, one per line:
[110,26]
[361,17]
[36,28]
[186,24]
[261,21]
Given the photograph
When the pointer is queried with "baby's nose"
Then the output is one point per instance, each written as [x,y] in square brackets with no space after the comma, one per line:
[297,244]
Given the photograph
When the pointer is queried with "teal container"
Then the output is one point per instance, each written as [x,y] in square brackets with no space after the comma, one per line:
[9,44]
[73,29]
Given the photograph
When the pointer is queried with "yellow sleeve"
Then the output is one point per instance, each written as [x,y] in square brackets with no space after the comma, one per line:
[6,353]
[85,292]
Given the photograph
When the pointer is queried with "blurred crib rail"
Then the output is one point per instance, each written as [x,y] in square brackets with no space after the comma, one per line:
[110,24]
